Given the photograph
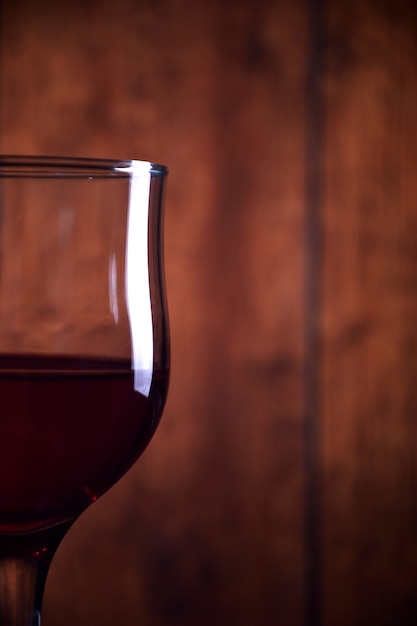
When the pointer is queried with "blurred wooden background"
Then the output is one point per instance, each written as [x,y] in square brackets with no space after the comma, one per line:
[281,485]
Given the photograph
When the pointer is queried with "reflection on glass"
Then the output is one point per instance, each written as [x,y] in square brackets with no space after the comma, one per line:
[137,278]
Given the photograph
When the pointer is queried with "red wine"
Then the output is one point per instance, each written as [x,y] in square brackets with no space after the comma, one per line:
[69,429]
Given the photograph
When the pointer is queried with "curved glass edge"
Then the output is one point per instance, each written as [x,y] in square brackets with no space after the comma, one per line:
[21,165]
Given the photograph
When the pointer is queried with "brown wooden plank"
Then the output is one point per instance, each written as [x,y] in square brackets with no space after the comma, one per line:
[369,432]
[208,527]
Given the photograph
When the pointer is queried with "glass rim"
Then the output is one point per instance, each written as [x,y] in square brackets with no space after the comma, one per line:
[84,167]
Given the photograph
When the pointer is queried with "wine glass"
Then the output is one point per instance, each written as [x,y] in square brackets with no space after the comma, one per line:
[84,349]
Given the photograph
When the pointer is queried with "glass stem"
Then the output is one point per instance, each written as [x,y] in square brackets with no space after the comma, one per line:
[22,581]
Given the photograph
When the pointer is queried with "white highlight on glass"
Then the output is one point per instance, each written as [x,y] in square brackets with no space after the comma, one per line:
[137,277]
[114,306]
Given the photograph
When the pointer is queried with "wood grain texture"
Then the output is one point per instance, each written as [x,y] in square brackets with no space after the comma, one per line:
[369,283]
[208,527]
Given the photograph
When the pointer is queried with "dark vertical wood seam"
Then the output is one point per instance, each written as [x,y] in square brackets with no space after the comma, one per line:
[314,123]
[1,72]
